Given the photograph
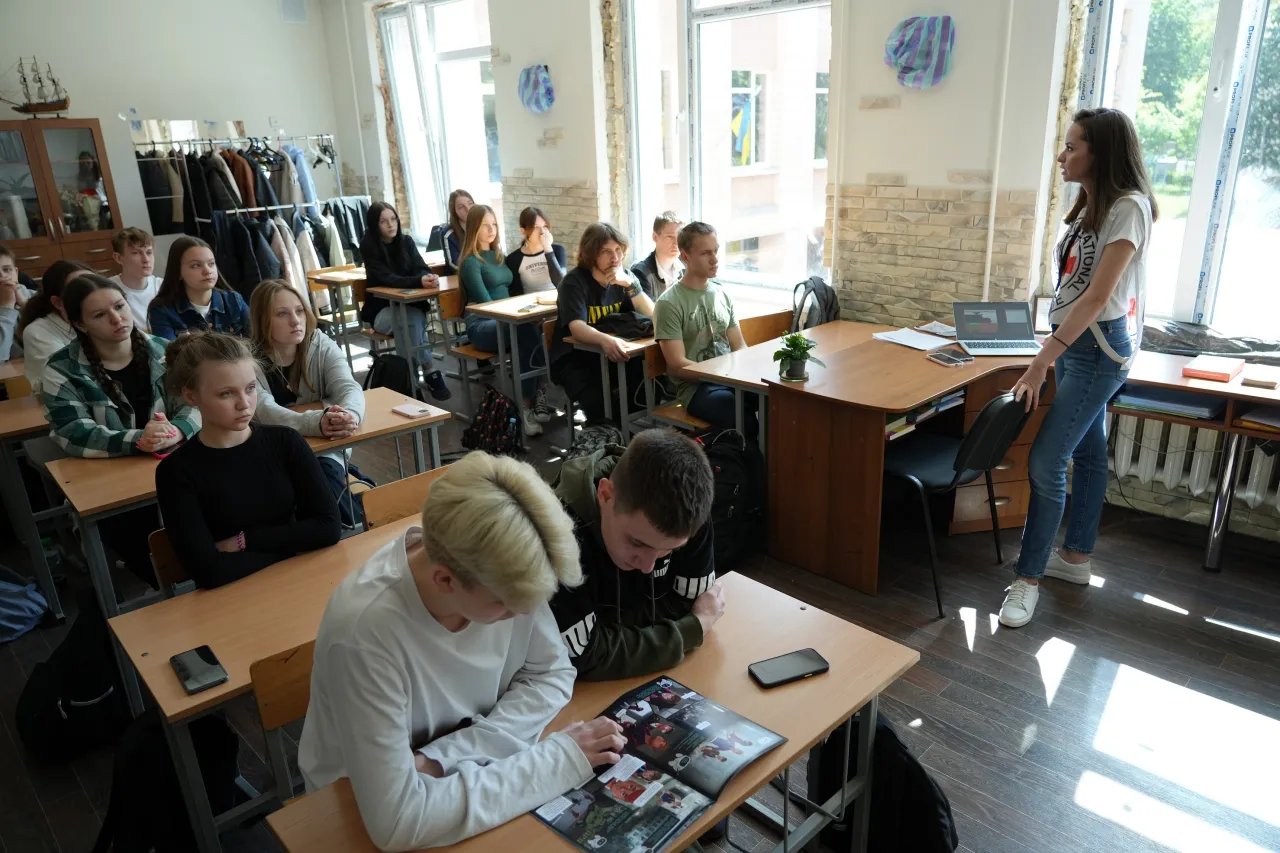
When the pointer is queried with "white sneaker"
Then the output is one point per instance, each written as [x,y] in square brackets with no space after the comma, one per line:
[1019,603]
[531,426]
[1071,572]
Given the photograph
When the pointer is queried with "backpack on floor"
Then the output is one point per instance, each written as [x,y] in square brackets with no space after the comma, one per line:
[146,810]
[737,510]
[816,305]
[496,426]
[389,371]
[74,701]
[594,437]
[909,810]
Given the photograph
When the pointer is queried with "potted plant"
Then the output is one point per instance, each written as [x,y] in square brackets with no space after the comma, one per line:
[793,355]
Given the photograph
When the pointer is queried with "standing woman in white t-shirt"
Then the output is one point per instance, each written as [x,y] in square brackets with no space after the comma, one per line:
[1097,325]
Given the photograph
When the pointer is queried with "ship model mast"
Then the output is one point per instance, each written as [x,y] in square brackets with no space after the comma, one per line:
[42,103]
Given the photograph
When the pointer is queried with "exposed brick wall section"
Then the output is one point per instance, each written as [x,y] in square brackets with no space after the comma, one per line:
[615,127]
[1153,497]
[570,206]
[904,254]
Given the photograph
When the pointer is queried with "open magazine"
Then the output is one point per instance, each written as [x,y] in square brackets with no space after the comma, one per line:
[682,750]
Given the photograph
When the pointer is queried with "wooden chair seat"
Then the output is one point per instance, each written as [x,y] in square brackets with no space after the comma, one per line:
[472,351]
[678,415]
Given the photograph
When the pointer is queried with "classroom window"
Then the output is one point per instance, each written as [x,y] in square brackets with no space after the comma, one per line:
[438,63]
[1201,78]
[750,83]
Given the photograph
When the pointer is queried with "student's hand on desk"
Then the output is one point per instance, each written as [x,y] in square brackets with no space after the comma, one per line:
[337,422]
[613,349]
[1029,384]
[709,606]
[427,766]
[430,280]
[600,740]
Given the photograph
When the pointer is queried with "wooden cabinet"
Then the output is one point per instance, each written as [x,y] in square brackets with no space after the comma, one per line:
[1012,486]
[57,199]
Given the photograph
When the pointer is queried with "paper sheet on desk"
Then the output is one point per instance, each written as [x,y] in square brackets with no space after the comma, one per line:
[912,338]
[936,328]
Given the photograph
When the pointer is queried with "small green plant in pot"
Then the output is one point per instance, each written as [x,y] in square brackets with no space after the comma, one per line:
[793,355]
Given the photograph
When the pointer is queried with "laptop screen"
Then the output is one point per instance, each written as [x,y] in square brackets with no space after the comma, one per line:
[993,321]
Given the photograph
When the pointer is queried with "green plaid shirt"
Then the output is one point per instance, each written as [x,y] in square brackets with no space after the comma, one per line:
[87,422]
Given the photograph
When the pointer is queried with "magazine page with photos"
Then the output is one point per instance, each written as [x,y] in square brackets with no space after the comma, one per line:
[682,750]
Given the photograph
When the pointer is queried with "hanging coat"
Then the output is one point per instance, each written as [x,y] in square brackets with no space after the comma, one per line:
[176,191]
[333,242]
[305,180]
[222,190]
[199,203]
[311,263]
[268,264]
[293,272]
[242,175]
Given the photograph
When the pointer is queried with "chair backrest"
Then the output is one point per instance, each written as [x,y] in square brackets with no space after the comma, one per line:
[398,499]
[17,386]
[282,685]
[450,302]
[997,426]
[169,571]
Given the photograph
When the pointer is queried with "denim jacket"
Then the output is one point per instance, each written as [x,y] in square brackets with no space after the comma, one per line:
[227,313]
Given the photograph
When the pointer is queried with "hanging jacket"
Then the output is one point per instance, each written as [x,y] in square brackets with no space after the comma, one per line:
[334,249]
[198,199]
[311,263]
[222,189]
[248,273]
[262,189]
[285,181]
[155,189]
[242,175]
[292,272]
[319,228]
[305,180]
[268,263]
[175,190]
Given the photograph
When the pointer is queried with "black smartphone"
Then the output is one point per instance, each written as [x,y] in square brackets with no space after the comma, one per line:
[952,356]
[787,668]
[198,669]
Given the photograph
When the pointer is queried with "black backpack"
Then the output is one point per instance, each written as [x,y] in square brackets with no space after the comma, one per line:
[909,810]
[389,371]
[738,508]
[496,426]
[146,810]
[628,325]
[74,701]
[816,305]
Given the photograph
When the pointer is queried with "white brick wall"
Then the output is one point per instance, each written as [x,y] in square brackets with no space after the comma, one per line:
[570,206]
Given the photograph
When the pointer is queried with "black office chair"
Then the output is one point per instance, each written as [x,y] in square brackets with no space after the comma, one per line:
[937,464]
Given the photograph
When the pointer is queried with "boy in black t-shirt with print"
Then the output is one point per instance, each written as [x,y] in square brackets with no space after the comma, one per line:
[596,287]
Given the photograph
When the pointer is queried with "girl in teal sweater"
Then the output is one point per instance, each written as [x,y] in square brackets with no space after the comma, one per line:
[485,278]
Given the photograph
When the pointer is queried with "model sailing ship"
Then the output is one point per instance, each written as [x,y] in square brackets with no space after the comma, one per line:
[48,99]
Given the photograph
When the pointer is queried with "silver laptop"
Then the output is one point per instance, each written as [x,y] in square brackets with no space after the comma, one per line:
[995,328]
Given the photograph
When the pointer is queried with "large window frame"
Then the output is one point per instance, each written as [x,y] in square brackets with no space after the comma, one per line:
[1237,42]
[427,60]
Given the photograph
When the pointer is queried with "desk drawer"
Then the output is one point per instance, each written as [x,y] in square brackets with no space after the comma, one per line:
[95,253]
[34,260]
[1029,431]
[971,512]
[1013,466]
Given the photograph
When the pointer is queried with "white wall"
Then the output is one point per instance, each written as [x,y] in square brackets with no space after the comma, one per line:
[950,126]
[357,103]
[176,59]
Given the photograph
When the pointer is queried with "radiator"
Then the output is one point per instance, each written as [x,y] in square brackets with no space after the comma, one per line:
[1185,458]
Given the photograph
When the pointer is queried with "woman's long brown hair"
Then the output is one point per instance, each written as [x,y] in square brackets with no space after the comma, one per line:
[459,227]
[1118,169]
[172,288]
[471,246]
[73,297]
[260,331]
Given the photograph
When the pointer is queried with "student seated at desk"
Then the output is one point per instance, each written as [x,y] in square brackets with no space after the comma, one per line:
[238,496]
[296,366]
[485,278]
[595,288]
[135,252]
[104,396]
[454,233]
[193,295]
[649,591]
[694,321]
[438,665]
[538,265]
[13,297]
[661,270]
[43,328]
[392,259]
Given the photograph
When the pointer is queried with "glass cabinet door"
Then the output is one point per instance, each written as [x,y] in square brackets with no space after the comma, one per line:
[20,215]
[76,168]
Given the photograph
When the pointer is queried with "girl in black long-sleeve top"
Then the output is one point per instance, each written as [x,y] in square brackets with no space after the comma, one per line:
[236,498]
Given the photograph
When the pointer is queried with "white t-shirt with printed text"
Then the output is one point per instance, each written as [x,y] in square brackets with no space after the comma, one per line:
[140,300]
[1080,250]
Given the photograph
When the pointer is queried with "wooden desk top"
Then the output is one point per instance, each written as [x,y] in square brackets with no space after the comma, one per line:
[22,417]
[890,377]
[747,368]
[268,612]
[631,348]
[509,310]
[416,294]
[339,277]
[1165,371]
[97,485]
[862,665]
[11,369]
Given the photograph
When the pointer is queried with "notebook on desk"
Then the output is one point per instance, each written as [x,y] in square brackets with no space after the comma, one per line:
[1217,368]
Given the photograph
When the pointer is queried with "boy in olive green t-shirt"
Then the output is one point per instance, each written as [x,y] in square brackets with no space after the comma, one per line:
[695,321]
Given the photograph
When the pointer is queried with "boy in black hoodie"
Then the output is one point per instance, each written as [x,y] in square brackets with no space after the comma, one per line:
[643,521]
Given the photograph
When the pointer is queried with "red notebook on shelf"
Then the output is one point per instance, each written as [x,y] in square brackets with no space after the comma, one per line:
[1218,368]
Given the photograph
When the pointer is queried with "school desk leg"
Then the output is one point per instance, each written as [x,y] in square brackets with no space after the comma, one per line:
[404,345]
[100,576]
[1232,458]
[335,302]
[517,390]
[418,458]
[433,436]
[604,378]
[15,498]
[192,784]
[866,743]
[623,416]
[739,411]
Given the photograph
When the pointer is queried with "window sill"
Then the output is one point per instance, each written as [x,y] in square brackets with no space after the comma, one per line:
[757,169]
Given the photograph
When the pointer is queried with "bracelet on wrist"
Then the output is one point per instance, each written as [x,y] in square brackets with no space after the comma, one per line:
[1060,340]
[240,540]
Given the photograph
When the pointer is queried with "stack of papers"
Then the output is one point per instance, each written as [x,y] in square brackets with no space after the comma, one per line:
[912,338]
[936,328]
[1266,419]
[899,427]
[1167,401]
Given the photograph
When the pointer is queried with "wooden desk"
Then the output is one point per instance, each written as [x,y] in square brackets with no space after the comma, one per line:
[21,419]
[510,314]
[862,665]
[11,369]
[634,348]
[826,451]
[331,280]
[447,290]
[380,422]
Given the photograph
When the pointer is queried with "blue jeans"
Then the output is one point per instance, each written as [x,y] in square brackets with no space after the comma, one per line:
[483,332]
[384,323]
[1074,429]
[715,404]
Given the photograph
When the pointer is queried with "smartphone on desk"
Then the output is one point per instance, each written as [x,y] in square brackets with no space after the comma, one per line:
[787,668]
[198,669]
[950,356]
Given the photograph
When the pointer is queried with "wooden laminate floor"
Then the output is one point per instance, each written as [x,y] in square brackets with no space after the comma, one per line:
[1138,714]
